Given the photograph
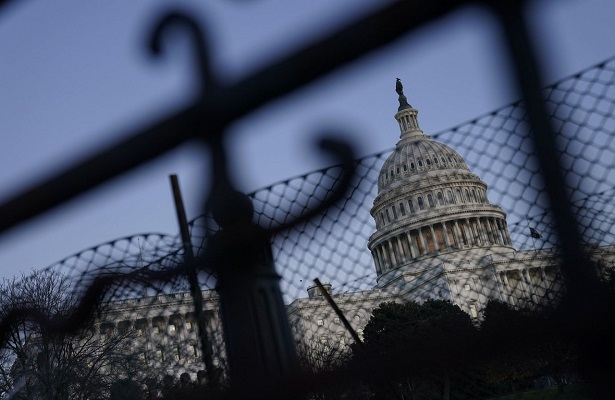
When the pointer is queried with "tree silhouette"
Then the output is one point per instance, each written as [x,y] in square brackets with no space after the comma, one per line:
[37,362]
[419,349]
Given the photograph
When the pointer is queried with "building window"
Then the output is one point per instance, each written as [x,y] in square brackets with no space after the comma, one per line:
[405,167]
[431,247]
[178,353]
[435,160]
[430,201]
[411,205]
[320,322]
[440,238]
[412,166]
[440,199]
[159,354]
[402,209]
[473,311]
[420,163]
[459,195]
[428,161]
[397,170]
[421,204]
[451,199]
[193,350]
[467,195]
[474,195]
[388,215]
[394,212]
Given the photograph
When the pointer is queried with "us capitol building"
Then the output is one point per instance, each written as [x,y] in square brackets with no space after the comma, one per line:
[437,237]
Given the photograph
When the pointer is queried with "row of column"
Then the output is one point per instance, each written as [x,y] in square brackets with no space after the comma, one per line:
[524,289]
[456,234]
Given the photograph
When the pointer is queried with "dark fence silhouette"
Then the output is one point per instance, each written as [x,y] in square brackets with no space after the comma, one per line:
[141,317]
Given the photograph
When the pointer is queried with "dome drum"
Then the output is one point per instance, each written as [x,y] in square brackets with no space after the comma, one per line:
[413,244]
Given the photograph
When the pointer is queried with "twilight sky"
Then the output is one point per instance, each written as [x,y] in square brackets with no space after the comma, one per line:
[75,76]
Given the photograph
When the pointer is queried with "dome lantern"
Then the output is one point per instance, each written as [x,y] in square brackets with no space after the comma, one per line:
[406,116]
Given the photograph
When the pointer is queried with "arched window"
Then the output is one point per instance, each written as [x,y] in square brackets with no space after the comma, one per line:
[459,196]
[428,161]
[430,201]
[381,218]
[397,170]
[451,199]
[467,195]
[402,209]
[405,167]
[421,204]
[420,163]
[394,212]
[474,195]
[412,166]
[440,199]
[435,160]
[388,215]
[411,205]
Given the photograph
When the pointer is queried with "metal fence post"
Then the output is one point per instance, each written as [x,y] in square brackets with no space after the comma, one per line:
[259,345]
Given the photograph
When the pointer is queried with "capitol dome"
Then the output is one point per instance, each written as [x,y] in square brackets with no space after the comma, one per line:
[429,202]
[416,156]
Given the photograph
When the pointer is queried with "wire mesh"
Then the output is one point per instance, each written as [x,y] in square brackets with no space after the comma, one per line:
[144,329]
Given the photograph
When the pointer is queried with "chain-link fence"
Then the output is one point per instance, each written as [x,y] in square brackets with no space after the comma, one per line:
[447,292]
[142,338]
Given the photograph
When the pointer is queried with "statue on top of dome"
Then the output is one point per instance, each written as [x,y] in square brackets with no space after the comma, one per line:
[403,101]
[399,87]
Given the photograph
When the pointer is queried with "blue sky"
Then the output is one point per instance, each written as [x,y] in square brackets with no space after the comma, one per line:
[75,75]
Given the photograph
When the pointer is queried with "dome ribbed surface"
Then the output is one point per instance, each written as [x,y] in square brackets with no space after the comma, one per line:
[418,156]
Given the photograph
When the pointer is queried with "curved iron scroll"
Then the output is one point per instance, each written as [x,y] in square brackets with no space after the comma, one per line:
[224,201]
